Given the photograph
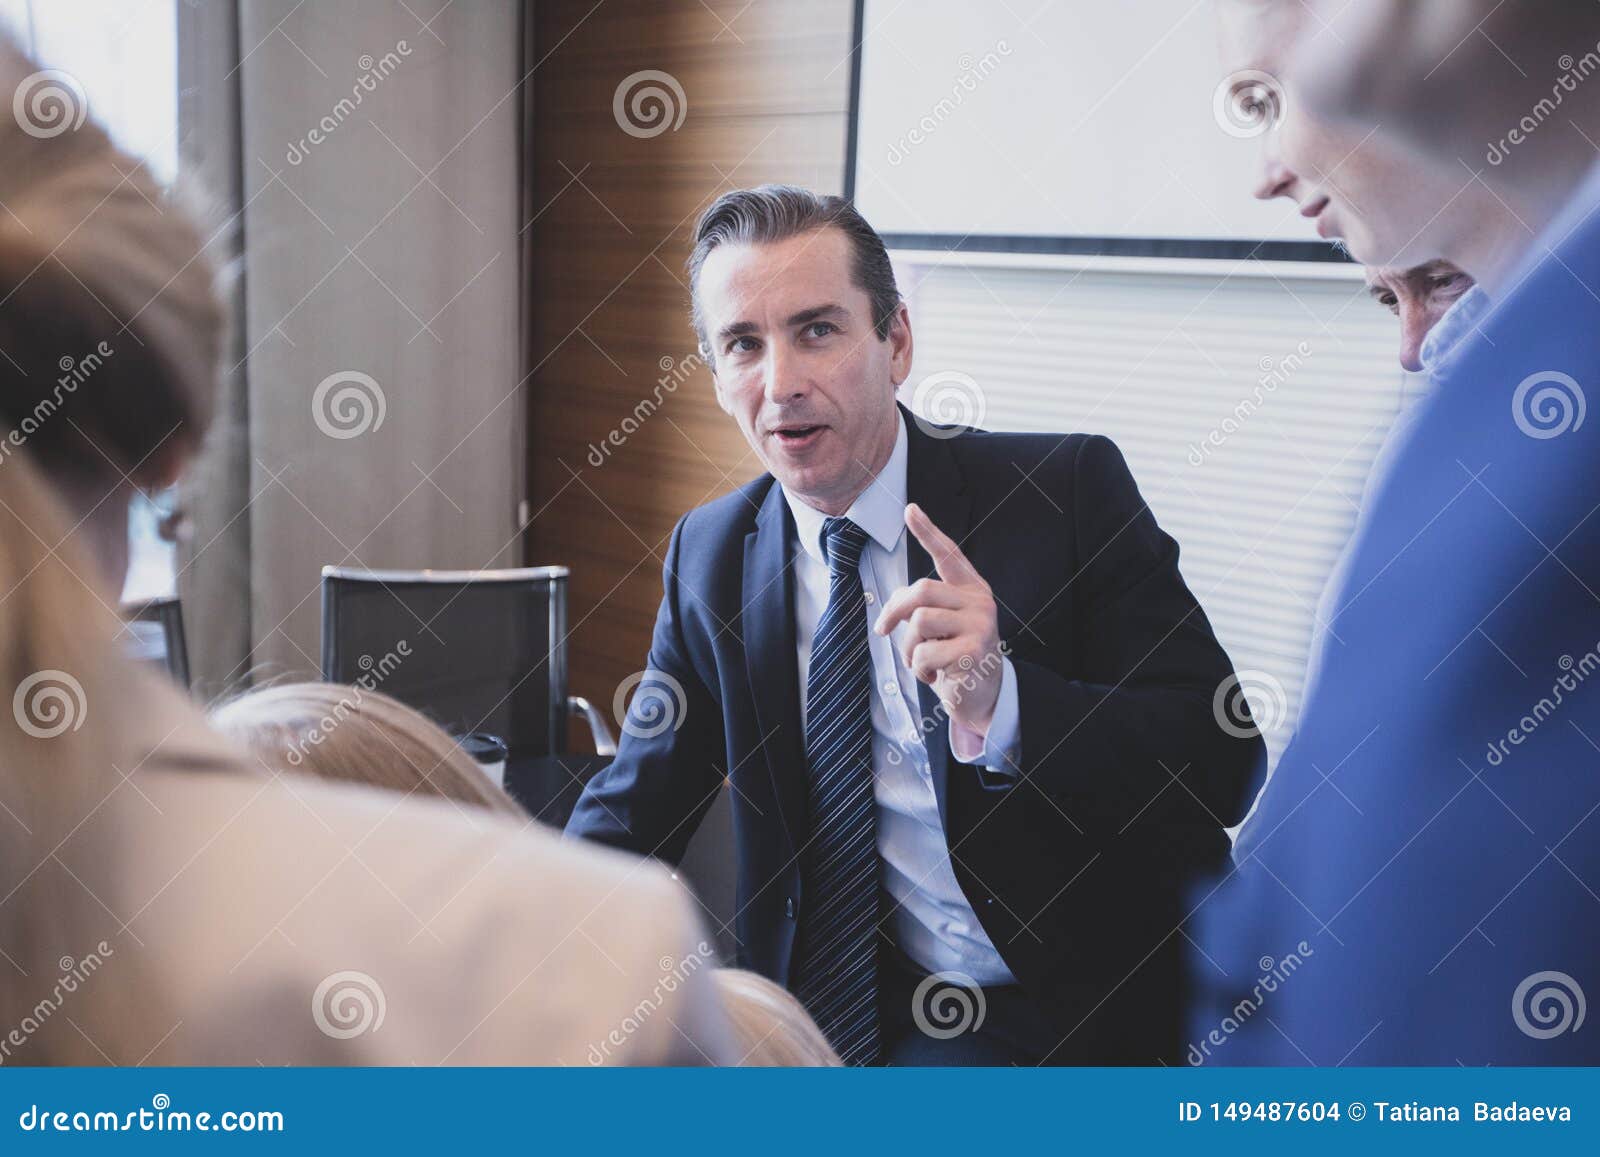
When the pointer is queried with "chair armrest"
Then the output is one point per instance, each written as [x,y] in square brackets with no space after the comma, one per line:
[604,743]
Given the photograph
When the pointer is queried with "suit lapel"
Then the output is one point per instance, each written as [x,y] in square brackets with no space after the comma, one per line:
[934,482]
[770,656]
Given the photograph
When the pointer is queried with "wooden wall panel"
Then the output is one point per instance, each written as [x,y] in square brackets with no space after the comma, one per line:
[767,92]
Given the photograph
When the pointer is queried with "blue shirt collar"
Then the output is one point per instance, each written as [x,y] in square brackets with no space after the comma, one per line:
[880,509]
[1584,201]
[1440,356]
[1445,339]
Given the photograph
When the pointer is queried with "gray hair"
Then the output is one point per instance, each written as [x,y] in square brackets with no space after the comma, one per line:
[770,213]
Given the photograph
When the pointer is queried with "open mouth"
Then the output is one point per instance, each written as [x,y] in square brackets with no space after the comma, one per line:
[796,437]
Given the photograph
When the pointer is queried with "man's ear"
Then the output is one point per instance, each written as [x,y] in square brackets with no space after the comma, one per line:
[900,344]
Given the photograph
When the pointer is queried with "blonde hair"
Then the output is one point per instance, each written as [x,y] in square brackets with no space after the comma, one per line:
[771,1027]
[358,736]
[112,330]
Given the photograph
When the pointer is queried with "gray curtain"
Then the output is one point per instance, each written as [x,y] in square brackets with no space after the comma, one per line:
[375,418]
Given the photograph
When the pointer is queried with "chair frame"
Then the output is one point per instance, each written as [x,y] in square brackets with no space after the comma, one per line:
[562,705]
[166,610]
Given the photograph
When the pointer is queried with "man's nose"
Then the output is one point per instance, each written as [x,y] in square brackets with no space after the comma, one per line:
[786,379]
[1276,178]
[1415,322]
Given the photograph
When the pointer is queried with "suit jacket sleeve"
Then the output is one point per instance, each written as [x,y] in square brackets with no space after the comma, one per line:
[671,758]
[1140,714]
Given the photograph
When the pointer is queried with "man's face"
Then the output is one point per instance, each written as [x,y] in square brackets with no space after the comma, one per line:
[799,366]
[1356,187]
[1419,297]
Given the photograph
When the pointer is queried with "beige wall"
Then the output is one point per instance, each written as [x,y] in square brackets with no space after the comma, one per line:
[358,263]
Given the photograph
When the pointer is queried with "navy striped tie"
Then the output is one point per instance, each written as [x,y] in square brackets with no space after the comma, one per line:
[838,972]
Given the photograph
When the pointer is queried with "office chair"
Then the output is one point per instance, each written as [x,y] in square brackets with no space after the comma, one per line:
[157,629]
[477,651]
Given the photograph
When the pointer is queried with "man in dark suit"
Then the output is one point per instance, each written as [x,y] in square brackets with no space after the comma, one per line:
[976,727]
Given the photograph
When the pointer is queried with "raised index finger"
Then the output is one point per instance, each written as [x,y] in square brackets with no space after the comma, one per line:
[952,565]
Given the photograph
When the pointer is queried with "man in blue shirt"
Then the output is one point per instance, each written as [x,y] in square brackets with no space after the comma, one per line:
[1428,851]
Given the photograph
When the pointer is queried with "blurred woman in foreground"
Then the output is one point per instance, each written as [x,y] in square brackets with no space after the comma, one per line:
[352,735]
[772,1028]
[336,732]
[343,733]
[161,900]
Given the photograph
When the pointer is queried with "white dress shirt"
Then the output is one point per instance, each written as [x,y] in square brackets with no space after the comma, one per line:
[932,921]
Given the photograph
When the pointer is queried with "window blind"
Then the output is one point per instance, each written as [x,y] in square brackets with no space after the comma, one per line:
[1249,408]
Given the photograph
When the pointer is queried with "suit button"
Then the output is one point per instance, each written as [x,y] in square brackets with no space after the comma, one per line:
[788,907]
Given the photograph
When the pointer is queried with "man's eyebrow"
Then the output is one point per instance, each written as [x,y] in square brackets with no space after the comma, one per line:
[817,313]
[737,329]
[830,310]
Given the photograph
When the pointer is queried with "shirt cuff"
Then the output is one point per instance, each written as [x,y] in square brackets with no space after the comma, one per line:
[1000,750]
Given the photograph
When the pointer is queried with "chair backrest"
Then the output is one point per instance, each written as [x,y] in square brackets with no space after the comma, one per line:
[157,629]
[473,650]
